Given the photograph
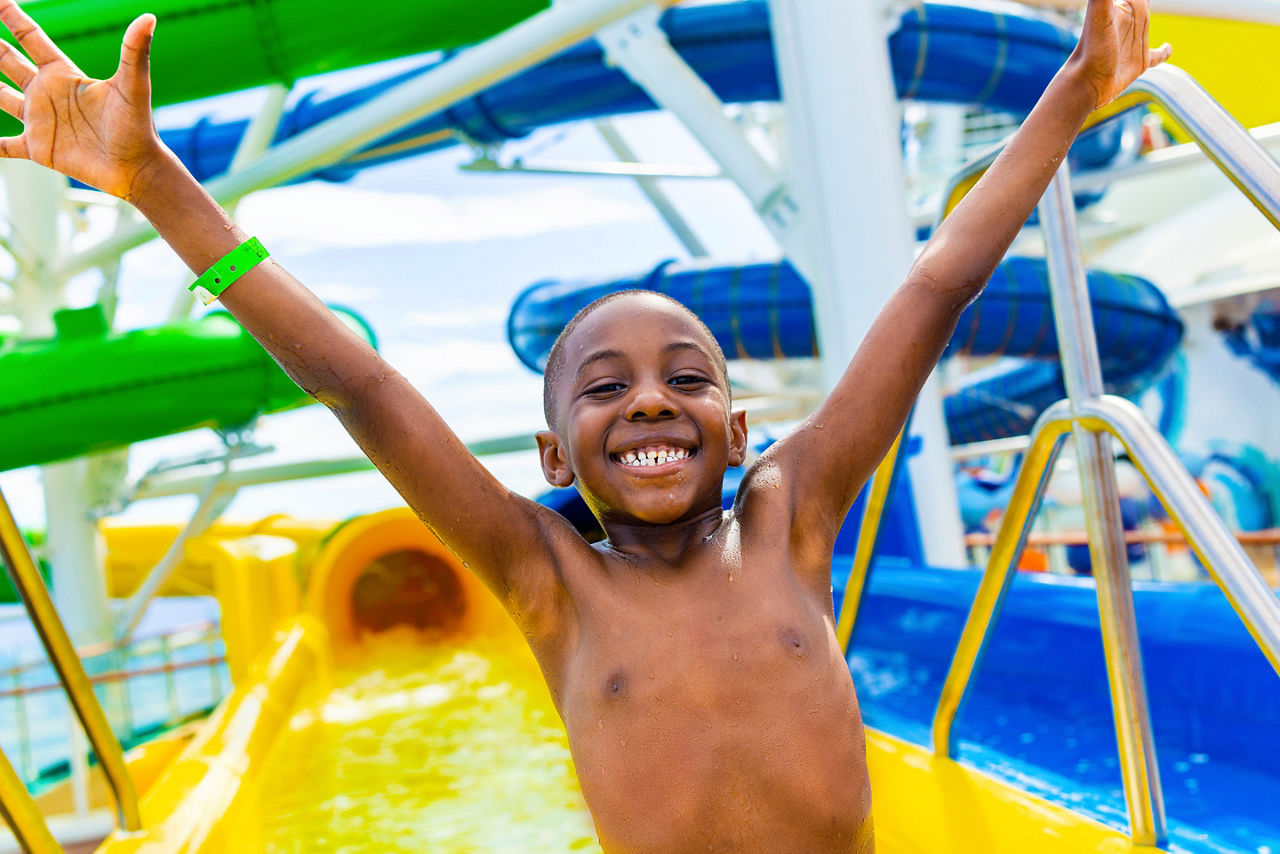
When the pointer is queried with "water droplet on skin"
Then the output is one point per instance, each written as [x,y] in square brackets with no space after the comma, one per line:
[735,656]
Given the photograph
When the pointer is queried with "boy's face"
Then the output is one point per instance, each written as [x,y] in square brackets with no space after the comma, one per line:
[639,376]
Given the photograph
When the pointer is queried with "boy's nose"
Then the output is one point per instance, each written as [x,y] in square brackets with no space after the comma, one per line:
[651,402]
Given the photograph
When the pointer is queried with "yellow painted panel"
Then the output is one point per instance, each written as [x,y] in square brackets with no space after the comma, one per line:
[1233,60]
[926,804]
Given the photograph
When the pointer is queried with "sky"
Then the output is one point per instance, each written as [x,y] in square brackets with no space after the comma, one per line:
[432,257]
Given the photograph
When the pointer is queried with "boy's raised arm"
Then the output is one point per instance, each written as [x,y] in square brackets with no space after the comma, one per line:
[100,132]
[871,401]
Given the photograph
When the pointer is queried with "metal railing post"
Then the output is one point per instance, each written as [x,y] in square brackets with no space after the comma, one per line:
[1082,375]
[1090,416]
[22,815]
[868,536]
[70,670]
[1221,553]
[1024,501]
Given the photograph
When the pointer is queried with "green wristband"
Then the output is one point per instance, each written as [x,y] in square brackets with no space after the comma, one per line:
[228,269]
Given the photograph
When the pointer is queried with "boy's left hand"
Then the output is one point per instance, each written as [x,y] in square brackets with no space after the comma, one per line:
[1114,47]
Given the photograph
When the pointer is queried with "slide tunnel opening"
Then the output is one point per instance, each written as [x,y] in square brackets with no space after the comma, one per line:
[408,587]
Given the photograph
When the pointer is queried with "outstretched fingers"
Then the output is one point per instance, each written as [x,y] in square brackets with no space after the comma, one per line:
[1159,55]
[30,37]
[15,66]
[14,146]
[11,101]
[134,73]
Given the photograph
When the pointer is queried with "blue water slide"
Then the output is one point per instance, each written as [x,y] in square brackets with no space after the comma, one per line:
[939,52]
[1039,711]
[764,311]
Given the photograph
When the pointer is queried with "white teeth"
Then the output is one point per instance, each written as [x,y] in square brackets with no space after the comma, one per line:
[653,457]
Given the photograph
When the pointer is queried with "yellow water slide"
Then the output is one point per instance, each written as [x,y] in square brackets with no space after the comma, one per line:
[385,702]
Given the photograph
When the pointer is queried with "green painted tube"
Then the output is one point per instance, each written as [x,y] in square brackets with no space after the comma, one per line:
[206,47]
[90,390]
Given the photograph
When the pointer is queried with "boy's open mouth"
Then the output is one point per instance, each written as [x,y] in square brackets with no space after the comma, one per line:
[652,455]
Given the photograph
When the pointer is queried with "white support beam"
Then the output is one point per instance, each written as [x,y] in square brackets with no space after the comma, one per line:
[538,37]
[640,48]
[1249,11]
[846,174]
[653,192]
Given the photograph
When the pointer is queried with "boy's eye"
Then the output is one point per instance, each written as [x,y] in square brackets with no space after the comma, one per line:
[605,388]
[688,380]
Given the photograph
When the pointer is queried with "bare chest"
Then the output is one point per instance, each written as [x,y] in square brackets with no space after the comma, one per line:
[726,696]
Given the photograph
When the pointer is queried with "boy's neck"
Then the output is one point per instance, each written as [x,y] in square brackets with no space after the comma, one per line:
[668,545]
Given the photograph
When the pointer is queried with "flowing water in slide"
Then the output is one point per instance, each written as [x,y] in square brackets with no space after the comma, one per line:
[450,746]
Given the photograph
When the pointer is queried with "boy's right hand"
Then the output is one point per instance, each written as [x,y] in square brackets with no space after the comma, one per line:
[98,132]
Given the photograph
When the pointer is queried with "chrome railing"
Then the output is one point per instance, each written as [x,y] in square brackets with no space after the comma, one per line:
[1092,418]
[22,815]
[62,655]
[171,677]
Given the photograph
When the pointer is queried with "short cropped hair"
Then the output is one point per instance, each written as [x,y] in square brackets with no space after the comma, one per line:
[555,359]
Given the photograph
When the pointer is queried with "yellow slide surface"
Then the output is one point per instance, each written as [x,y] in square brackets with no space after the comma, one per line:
[345,733]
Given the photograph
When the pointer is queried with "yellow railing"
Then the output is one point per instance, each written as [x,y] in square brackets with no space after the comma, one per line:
[62,655]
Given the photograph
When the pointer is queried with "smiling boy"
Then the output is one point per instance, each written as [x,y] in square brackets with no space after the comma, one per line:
[691,654]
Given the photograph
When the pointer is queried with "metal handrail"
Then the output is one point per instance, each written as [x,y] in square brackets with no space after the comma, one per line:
[868,537]
[1224,558]
[1028,489]
[70,670]
[1217,548]
[1091,417]
[1225,141]
[20,812]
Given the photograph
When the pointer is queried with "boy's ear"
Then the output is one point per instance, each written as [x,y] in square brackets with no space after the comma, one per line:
[737,437]
[555,466]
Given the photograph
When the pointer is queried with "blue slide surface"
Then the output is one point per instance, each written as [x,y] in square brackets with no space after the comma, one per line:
[939,52]
[764,311]
[1039,713]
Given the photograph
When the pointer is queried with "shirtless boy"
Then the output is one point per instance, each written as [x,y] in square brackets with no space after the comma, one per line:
[692,653]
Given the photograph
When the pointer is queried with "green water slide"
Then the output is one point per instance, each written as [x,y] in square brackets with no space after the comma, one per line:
[207,47]
[91,390]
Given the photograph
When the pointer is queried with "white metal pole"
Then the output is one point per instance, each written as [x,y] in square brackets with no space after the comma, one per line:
[845,171]
[536,38]
[75,550]
[640,48]
[1249,11]
[653,192]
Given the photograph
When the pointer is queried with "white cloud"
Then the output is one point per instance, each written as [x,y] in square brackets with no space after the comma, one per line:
[483,315]
[315,216]
[346,294]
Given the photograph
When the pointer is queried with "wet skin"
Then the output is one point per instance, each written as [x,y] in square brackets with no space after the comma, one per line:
[707,704]
[692,657]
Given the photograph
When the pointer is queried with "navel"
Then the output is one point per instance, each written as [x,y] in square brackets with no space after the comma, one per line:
[794,641]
